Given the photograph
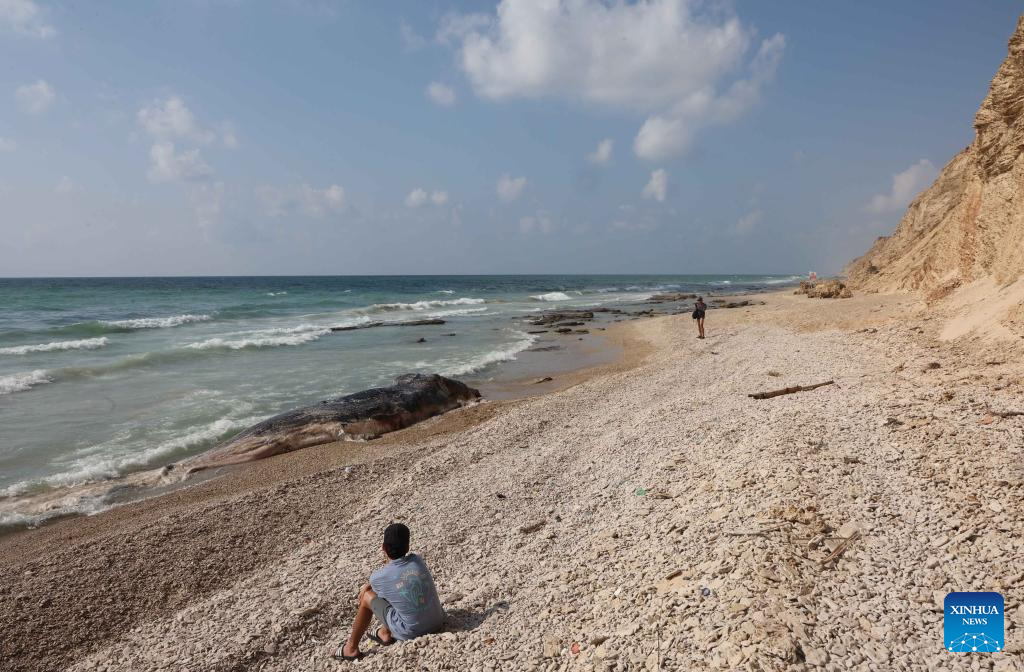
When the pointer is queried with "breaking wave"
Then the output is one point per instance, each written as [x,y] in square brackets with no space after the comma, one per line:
[19,382]
[422,305]
[505,354]
[267,338]
[83,344]
[156,322]
[551,296]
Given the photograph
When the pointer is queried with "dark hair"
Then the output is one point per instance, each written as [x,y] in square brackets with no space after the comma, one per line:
[396,540]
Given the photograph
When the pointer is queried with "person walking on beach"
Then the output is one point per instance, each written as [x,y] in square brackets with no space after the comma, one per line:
[699,308]
[402,596]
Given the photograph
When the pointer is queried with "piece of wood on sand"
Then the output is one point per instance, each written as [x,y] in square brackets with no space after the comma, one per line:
[789,390]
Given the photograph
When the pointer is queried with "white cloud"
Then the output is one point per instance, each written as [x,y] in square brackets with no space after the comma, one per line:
[657,186]
[25,17]
[66,186]
[748,222]
[7,145]
[905,186]
[302,199]
[418,197]
[440,94]
[537,223]
[169,165]
[668,134]
[675,60]
[170,118]
[603,154]
[509,188]
[35,98]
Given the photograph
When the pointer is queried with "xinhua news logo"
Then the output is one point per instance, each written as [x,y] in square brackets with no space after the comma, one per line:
[973,622]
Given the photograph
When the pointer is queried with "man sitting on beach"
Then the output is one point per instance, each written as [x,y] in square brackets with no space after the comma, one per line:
[401,594]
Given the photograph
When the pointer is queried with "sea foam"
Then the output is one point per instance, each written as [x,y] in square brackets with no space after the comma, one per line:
[551,296]
[157,322]
[266,338]
[505,354]
[424,305]
[19,382]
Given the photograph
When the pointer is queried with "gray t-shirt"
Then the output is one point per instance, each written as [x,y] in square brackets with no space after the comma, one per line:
[406,583]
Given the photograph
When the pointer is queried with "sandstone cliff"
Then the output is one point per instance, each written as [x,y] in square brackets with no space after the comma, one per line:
[968,227]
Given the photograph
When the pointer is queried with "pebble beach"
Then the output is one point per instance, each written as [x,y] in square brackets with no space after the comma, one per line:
[646,515]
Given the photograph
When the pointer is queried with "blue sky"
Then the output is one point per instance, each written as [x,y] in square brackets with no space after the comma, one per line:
[528,136]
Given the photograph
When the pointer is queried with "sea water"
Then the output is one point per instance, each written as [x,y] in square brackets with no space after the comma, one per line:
[103,376]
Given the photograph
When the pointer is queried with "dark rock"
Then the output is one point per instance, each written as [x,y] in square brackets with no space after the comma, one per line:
[421,340]
[409,323]
[562,316]
[364,415]
[418,323]
[668,298]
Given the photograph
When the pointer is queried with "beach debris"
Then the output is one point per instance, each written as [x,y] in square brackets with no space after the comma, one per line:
[774,374]
[640,492]
[545,379]
[931,366]
[1005,414]
[789,390]
[841,548]
[421,340]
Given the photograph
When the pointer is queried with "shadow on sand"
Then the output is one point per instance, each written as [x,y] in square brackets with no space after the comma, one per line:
[465,620]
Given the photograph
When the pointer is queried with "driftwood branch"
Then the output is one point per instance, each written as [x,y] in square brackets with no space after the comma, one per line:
[789,390]
[841,548]
[1005,414]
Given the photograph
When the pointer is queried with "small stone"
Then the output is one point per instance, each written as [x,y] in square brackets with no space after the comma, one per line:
[815,656]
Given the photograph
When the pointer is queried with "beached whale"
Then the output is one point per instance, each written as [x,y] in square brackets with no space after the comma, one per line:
[364,415]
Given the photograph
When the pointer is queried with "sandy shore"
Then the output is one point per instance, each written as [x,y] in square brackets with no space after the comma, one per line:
[649,516]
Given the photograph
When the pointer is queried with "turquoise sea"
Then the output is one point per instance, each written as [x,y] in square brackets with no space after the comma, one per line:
[102,376]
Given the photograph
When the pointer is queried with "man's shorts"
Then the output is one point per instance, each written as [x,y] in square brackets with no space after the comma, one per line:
[380,608]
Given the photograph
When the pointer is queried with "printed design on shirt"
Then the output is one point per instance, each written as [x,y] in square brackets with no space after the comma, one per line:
[413,588]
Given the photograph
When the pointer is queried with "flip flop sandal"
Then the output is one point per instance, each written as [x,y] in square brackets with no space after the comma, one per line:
[374,637]
[339,654]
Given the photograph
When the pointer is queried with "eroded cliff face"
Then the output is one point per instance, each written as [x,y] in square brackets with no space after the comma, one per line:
[969,225]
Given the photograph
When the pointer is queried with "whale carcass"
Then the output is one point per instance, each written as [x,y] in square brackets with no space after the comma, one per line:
[364,415]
